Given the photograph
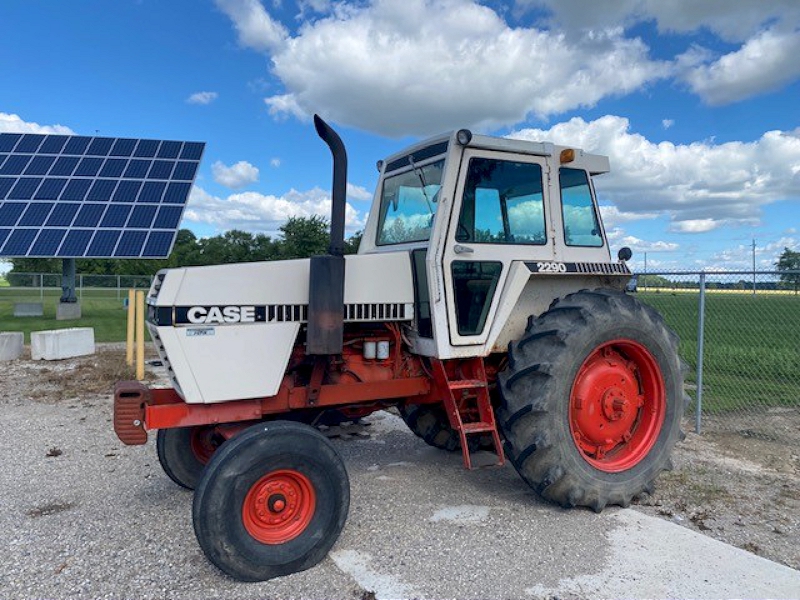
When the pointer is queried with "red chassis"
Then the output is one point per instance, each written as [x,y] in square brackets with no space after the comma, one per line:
[355,386]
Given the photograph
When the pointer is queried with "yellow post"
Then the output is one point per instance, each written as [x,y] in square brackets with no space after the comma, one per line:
[131,318]
[140,335]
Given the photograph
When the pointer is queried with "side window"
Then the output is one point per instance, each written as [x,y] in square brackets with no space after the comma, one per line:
[474,284]
[581,227]
[408,204]
[502,204]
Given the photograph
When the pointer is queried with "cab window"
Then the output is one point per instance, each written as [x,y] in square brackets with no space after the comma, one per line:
[503,203]
[581,227]
[408,204]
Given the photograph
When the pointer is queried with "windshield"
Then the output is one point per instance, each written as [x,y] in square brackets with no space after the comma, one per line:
[408,204]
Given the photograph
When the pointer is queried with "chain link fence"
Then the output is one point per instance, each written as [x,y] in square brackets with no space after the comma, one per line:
[36,287]
[740,336]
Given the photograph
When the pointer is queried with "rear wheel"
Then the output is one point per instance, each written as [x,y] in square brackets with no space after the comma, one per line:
[184,452]
[592,400]
[272,501]
[429,422]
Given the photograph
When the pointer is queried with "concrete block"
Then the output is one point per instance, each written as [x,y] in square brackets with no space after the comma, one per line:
[62,343]
[11,343]
[66,311]
[28,309]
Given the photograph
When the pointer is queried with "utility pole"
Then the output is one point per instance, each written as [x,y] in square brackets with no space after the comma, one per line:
[754,267]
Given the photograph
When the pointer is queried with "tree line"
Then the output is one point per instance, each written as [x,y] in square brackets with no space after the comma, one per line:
[300,237]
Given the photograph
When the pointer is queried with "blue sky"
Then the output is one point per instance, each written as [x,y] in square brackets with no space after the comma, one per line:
[696,103]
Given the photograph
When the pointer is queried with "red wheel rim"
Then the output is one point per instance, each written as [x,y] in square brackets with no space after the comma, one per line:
[279,507]
[617,405]
[203,444]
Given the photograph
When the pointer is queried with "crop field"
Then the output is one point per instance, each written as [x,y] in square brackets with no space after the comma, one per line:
[752,346]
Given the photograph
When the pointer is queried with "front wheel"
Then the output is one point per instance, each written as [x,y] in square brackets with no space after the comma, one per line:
[592,400]
[272,501]
[183,452]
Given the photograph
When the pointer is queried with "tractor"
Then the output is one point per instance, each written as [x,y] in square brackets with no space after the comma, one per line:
[483,305]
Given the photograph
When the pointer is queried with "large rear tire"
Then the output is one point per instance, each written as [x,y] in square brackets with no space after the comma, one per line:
[429,422]
[272,501]
[183,452]
[592,400]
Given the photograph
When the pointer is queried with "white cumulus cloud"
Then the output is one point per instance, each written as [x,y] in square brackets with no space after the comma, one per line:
[256,28]
[252,211]
[10,123]
[423,66]
[236,176]
[700,186]
[202,97]
[764,63]
[732,20]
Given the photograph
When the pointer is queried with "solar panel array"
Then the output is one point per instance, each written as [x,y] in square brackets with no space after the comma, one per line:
[92,197]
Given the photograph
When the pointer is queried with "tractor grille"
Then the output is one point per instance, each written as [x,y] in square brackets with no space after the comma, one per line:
[162,353]
[378,311]
[602,268]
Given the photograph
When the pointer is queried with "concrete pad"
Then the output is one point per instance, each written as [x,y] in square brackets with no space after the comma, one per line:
[58,344]
[653,558]
[66,311]
[28,309]
[11,343]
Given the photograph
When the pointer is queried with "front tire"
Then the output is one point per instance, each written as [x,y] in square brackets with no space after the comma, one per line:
[592,400]
[272,501]
[183,452]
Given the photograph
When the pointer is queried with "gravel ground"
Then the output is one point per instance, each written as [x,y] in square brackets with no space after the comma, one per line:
[85,516]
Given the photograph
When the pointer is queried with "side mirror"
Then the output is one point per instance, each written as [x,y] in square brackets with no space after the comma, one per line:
[624,253]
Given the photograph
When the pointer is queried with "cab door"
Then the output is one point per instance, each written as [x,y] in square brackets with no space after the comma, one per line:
[499,215]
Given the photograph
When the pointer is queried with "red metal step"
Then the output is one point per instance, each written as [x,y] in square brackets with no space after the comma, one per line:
[457,393]
[466,384]
[478,427]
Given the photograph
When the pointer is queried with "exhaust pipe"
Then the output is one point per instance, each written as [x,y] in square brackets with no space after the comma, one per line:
[325,331]
[339,189]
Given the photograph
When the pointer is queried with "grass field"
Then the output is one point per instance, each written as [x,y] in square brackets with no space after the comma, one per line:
[752,346]
[101,309]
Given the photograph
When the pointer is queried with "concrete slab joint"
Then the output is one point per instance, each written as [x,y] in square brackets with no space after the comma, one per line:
[58,344]
[11,343]
[28,309]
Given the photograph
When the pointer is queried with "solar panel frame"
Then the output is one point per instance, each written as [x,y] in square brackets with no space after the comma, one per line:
[72,196]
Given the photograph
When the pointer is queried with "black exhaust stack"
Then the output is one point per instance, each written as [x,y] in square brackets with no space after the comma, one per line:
[326,285]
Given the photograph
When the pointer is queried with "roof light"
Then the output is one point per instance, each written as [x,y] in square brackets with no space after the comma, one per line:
[464,136]
[567,155]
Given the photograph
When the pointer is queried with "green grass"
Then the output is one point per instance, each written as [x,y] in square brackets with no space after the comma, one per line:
[101,310]
[751,348]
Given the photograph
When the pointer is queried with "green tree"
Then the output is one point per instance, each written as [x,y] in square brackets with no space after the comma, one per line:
[304,237]
[789,261]
[352,243]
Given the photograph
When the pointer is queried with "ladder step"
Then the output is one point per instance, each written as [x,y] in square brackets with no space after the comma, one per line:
[478,427]
[466,384]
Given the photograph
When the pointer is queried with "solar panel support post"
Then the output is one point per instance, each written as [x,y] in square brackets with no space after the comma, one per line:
[68,281]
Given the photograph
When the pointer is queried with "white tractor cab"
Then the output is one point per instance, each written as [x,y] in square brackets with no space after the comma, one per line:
[483,304]
[484,219]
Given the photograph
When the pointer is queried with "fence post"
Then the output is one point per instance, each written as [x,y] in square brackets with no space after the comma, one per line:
[41,287]
[118,287]
[698,416]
